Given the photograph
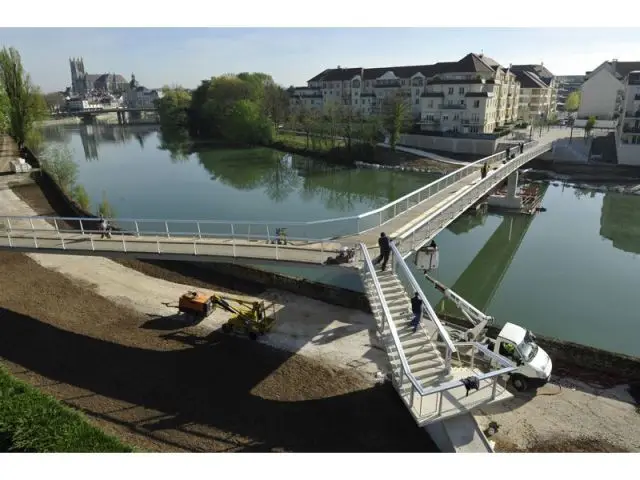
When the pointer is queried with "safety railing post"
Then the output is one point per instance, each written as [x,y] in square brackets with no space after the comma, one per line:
[380,221]
[494,388]
[55,224]
[448,360]
[268,235]
[277,258]
[137,229]
[248,231]
[199,232]
[166,226]
[81,227]
[8,224]
[124,245]
[358,225]
[440,398]
[195,249]
[233,234]
[93,247]
[158,244]
[233,246]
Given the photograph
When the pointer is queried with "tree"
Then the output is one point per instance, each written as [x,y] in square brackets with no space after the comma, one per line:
[26,105]
[395,117]
[591,122]
[173,106]
[572,103]
[55,100]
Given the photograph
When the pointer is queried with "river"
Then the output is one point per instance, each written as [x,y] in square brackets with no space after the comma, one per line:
[569,272]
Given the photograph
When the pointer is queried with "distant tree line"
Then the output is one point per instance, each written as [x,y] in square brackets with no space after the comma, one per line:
[250,108]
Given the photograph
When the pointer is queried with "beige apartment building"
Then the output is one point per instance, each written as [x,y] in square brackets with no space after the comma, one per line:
[538,92]
[473,95]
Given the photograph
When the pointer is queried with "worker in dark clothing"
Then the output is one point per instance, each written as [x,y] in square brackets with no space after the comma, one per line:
[483,170]
[521,147]
[416,309]
[385,251]
[508,153]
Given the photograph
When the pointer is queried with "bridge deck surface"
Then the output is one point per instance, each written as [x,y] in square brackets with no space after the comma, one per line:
[456,400]
[407,219]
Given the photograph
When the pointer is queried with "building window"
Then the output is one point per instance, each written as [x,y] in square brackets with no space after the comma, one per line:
[417,91]
[461,91]
[356,84]
[450,90]
[476,104]
[430,103]
[461,102]
[445,117]
[417,101]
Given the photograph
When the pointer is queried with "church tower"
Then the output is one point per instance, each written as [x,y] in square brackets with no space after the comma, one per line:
[78,75]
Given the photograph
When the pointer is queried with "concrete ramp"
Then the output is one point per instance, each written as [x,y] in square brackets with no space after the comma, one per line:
[459,434]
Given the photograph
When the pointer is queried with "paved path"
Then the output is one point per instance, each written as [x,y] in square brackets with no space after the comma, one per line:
[8,152]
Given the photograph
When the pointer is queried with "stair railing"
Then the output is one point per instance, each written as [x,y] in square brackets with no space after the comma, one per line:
[401,269]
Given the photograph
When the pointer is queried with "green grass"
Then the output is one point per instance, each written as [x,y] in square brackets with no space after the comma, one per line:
[31,421]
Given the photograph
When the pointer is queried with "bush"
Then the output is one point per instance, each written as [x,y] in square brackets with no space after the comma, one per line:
[105,209]
[81,196]
[31,421]
[58,163]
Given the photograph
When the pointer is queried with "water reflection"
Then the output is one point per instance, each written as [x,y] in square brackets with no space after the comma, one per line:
[620,221]
[481,279]
[94,134]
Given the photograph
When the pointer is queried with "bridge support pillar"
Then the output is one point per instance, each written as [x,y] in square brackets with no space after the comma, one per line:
[512,185]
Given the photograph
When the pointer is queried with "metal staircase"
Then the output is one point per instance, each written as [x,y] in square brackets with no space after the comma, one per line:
[426,368]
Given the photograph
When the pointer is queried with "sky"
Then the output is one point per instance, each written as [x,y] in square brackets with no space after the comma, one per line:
[186,56]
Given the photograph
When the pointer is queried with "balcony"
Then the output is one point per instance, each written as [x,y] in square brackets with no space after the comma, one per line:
[635,114]
[626,129]
[453,106]
[470,122]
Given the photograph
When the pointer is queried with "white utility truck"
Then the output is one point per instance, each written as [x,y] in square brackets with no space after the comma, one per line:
[513,341]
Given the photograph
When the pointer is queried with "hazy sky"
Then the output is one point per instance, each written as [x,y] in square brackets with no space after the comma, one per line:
[293,55]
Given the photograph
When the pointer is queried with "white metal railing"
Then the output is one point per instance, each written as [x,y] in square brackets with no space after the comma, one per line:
[54,233]
[417,406]
[401,269]
[425,230]
[309,231]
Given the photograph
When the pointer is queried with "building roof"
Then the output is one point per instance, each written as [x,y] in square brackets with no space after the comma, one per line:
[470,63]
[624,68]
[529,79]
[110,77]
[540,70]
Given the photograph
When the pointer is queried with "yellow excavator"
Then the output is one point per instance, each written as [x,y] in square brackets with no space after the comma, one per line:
[250,318]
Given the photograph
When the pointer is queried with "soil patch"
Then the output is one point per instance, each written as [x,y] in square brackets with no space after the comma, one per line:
[562,445]
[180,390]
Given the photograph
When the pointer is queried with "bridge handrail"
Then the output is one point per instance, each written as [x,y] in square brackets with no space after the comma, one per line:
[425,302]
[456,173]
[517,161]
[389,321]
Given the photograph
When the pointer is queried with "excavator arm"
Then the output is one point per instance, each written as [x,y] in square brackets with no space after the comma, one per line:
[475,316]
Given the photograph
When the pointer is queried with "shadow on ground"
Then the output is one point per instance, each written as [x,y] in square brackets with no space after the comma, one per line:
[216,390]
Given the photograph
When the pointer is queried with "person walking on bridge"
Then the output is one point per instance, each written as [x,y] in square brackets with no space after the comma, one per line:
[385,251]
[416,309]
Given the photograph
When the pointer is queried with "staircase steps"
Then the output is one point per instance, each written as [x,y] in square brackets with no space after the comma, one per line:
[424,359]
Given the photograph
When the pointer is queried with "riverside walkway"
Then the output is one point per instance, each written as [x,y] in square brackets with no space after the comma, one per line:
[411,221]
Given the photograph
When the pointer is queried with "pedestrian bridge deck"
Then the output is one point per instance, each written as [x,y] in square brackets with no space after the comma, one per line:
[417,217]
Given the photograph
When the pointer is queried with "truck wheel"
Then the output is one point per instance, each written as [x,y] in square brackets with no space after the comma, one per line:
[520,383]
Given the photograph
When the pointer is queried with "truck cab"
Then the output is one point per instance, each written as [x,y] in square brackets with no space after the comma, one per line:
[518,345]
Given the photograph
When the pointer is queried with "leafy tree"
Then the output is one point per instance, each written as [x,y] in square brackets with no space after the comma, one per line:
[591,122]
[572,103]
[55,100]
[173,106]
[244,123]
[26,103]
[396,117]
[58,163]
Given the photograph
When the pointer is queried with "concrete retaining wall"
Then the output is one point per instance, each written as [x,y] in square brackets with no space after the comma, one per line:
[450,144]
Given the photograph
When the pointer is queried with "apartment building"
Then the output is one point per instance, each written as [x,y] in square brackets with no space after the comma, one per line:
[473,95]
[538,92]
[567,84]
[629,128]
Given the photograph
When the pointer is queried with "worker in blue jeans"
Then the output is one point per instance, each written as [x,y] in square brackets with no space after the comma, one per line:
[416,308]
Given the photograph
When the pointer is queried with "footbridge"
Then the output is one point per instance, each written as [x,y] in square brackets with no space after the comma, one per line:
[440,382]
[411,221]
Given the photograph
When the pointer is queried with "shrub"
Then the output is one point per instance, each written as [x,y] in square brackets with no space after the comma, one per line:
[105,209]
[58,163]
[81,196]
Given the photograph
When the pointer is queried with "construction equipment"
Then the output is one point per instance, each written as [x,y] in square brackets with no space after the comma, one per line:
[513,342]
[250,319]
